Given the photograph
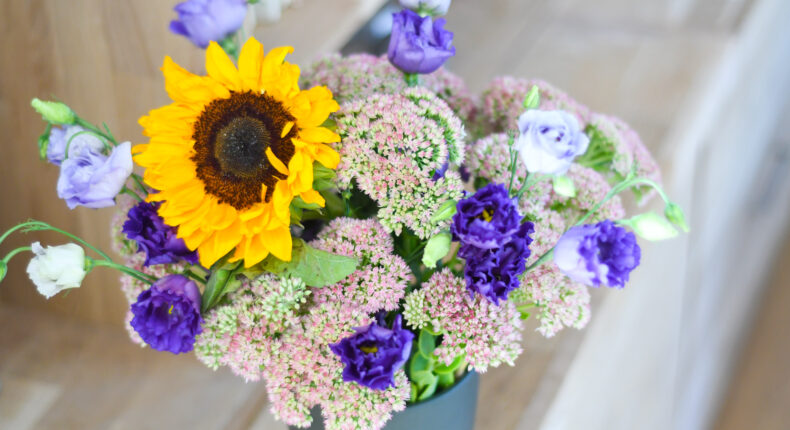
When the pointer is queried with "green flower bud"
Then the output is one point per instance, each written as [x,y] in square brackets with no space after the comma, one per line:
[532,99]
[437,248]
[563,186]
[54,112]
[674,213]
[445,211]
[43,142]
[3,269]
[651,226]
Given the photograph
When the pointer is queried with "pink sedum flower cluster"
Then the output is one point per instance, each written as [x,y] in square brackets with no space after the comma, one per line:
[394,148]
[278,330]
[486,334]
[559,302]
[363,75]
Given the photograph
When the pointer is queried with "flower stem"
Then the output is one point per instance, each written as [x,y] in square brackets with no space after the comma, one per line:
[85,124]
[34,225]
[11,254]
[539,261]
[140,276]
[412,79]
[127,190]
[139,181]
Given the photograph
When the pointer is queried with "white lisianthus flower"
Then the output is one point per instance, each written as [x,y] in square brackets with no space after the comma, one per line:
[437,7]
[56,268]
[549,141]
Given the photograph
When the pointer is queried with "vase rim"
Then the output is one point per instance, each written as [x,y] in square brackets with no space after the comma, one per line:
[464,378]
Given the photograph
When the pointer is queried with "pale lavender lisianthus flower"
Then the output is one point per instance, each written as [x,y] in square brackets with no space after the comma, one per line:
[202,21]
[436,7]
[598,254]
[91,179]
[549,141]
[59,138]
[419,44]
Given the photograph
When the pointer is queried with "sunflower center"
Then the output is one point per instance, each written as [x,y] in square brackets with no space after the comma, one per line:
[235,140]
[241,146]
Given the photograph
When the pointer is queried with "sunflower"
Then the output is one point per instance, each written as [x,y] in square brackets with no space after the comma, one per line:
[233,150]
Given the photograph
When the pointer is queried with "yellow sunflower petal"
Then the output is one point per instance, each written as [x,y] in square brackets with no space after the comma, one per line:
[220,243]
[313,196]
[220,67]
[256,251]
[187,88]
[278,242]
[279,165]
[250,64]
[319,134]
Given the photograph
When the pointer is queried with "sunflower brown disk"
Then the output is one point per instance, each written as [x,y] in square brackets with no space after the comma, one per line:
[231,137]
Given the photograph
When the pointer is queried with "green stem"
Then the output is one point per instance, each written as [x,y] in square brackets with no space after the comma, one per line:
[539,261]
[513,164]
[40,225]
[529,182]
[68,144]
[85,124]
[139,181]
[189,274]
[126,190]
[11,254]
[126,270]
[412,79]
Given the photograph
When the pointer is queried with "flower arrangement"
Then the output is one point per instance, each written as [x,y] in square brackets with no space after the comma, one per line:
[357,236]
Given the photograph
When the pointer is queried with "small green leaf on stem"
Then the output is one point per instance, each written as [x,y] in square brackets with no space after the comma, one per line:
[674,213]
[426,343]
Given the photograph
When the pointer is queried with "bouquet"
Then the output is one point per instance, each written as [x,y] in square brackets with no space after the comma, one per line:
[357,236]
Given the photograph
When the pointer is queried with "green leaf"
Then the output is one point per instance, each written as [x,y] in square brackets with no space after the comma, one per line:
[523,310]
[429,390]
[446,380]
[426,343]
[415,392]
[442,368]
[222,280]
[319,268]
[423,378]
[419,363]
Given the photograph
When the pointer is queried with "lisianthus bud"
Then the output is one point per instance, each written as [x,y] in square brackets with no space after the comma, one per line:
[651,226]
[437,248]
[54,112]
[674,213]
[563,186]
[532,99]
[56,268]
[445,211]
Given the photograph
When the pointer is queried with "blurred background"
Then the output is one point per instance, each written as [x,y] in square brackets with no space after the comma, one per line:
[699,338]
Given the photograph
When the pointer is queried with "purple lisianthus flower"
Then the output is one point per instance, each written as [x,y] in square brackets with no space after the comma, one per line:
[157,239]
[59,137]
[595,254]
[374,353]
[167,315]
[549,141]
[202,21]
[91,179]
[487,219]
[419,44]
[493,273]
